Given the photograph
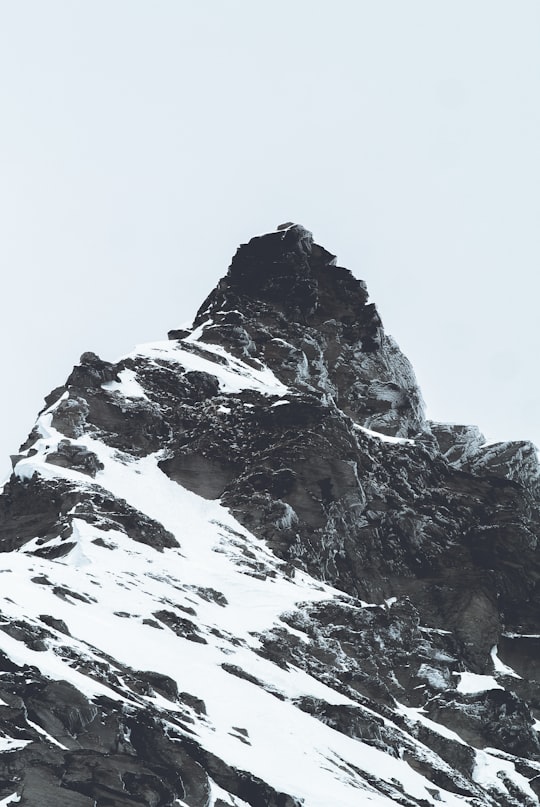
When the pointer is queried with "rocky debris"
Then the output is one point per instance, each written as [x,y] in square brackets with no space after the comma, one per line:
[242,784]
[517,461]
[378,521]
[106,755]
[79,458]
[496,718]
[465,448]
[458,444]
[44,510]
[180,625]
[111,513]
[454,763]
[92,372]
[57,624]
[378,655]
[33,636]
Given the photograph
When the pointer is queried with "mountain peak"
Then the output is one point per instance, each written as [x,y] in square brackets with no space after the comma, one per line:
[286,303]
[239,567]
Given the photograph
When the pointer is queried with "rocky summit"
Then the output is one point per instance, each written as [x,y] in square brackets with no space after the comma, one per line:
[240,567]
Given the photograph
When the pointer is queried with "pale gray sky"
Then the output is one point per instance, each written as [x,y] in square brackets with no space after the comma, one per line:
[140,142]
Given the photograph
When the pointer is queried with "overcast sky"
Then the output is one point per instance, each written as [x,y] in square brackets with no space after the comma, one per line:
[140,142]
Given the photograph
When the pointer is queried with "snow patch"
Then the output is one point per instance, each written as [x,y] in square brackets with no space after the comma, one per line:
[196,334]
[10,744]
[47,442]
[490,772]
[472,682]
[233,376]
[46,734]
[128,386]
[238,590]
[499,666]
[417,715]
[385,438]
[13,799]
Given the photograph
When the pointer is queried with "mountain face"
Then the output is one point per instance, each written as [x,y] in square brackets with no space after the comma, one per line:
[240,567]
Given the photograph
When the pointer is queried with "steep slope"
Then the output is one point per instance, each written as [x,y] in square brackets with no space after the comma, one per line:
[240,567]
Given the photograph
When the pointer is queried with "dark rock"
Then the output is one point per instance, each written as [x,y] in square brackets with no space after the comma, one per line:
[163,684]
[494,718]
[178,333]
[91,372]
[210,595]
[522,653]
[242,784]
[202,475]
[197,704]
[30,508]
[31,635]
[60,709]
[41,580]
[184,628]
[234,669]
[108,512]
[67,594]
[56,551]
[38,508]
[70,416]
[79,458]
[57,624]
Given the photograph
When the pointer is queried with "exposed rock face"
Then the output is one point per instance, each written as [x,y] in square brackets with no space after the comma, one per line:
[285,302]
[240,567]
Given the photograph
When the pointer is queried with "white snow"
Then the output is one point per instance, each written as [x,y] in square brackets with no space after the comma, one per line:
[46,734]
[196,334]
[499,666]
[13,799]
[217,792]
[437,631]
[233,376]
[490,771]
[48,441]
[385,438]
[417,715]
[128,386]
[472,682]
[124,585]
[10,744]
[288,748]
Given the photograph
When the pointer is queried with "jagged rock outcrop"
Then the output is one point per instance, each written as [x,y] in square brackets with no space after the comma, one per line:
[252,526]
[286,303]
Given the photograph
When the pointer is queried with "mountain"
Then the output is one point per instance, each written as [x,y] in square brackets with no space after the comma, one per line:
[240,567]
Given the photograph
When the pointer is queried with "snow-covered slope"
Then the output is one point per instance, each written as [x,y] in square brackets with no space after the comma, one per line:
[240,568]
